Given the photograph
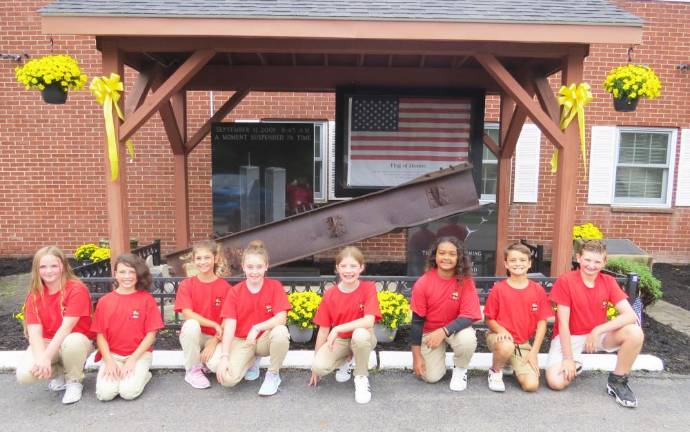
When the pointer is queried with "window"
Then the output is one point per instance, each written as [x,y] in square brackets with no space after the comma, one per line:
[644,165]
[320,152]
[489,166]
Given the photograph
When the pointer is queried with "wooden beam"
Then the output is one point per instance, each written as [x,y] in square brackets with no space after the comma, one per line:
[491,145]
[522,98]
[547,99]
[181,191]
[223,111]
[116,191]
[172,85]
[141,88]
[320,78]
[507,113]
[513,130]
[343,46]
[566,179]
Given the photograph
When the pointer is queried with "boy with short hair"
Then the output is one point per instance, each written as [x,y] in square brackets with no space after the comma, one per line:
[582,297]
[516,310]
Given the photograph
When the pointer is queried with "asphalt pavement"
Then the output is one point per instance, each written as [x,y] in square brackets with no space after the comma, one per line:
[400,403]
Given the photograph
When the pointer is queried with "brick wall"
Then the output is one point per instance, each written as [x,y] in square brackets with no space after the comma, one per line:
[52,165]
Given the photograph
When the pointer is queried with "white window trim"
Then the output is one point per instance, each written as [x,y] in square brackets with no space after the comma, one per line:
[673,138]
[489,198]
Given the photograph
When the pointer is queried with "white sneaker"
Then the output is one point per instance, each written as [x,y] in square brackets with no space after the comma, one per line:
[253,372]
[57,384]
[344,372]
[271,383]
[72,393]
[458,382]
[362,389]
[496,381]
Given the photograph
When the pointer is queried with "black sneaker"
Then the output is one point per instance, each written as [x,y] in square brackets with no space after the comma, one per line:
[618,386]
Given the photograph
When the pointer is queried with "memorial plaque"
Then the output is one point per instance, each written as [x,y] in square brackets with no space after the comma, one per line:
[259,172]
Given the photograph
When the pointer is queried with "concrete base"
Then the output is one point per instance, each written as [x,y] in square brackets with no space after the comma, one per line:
[388,360]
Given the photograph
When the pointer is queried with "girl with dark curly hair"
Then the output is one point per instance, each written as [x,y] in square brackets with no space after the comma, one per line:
[444,305]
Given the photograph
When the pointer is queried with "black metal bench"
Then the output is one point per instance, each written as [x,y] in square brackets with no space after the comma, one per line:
[165,289]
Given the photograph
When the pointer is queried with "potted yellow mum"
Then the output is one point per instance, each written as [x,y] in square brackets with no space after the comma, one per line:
[395,311]
[299,318]
[627,84]
[587,231]
[53,75]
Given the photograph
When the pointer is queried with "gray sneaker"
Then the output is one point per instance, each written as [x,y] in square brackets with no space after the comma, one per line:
[253,372]
[617,386]
[271,383]
[57,384]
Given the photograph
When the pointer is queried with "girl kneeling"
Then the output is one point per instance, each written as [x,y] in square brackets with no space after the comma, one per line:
[254,312]
[126,322]
[346,318]
[58,317]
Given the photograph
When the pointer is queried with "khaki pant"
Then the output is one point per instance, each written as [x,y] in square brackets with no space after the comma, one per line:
[518,360]
[463,344]
[128,388]
[274,343]
[69,359]
[193,341]
[360,345]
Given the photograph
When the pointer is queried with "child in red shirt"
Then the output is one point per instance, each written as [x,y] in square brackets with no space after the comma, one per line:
[346,318]
[515,311]
[57,318]
[444,305]
[582,297]
[254,315]
[200,299]
[126,322]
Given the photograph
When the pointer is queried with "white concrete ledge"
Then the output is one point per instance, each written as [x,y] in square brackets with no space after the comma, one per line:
[388,360]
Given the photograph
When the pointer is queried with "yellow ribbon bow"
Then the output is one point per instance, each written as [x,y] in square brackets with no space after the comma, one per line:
[574,98]
[107,90]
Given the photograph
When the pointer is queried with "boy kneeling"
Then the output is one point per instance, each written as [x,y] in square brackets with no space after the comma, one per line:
[516,310]
[582,297]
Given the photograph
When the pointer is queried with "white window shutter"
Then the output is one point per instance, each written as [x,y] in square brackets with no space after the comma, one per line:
[683,190]
[526,187]
[602,160]
[330,157]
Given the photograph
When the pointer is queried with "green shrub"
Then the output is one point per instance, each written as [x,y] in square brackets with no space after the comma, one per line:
[650,287]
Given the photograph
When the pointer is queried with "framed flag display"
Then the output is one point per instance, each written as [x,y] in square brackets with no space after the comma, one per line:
[390,137]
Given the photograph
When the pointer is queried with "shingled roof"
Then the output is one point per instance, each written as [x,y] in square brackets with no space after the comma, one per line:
[594,12]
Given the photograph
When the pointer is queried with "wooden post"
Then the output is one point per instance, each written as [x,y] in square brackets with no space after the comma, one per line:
[503,183]
[182,237]
[566,178]
[116,191]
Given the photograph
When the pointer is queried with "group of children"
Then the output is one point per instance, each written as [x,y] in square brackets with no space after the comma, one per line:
[228,329]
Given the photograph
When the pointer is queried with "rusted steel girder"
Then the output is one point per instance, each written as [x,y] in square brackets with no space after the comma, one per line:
[429,197]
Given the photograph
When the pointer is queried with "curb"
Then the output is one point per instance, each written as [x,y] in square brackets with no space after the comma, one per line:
[387,360]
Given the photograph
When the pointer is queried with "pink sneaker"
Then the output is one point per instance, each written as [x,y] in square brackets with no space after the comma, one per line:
[196,378]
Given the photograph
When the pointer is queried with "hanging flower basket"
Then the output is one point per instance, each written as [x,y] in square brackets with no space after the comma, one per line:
[53,76]
[627,84]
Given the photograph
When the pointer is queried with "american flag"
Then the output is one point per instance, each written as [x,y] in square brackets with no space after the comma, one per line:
[637,307]
[409,128]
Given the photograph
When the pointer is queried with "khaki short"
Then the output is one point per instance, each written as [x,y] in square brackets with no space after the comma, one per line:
[518,361]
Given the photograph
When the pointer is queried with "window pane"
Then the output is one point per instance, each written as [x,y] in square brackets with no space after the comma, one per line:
[493,133]
[643,148]
[633,182]
[489,179]
[317,177]
[487,155]
[317,140]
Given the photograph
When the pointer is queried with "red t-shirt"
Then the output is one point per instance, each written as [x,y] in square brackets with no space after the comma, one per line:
[338,307]
[125,319]
[518,310]
[48,310]
[587,305]
[204,298]
[250,309]
[441,301]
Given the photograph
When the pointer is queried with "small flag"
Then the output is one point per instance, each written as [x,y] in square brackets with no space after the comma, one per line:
[637,307]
